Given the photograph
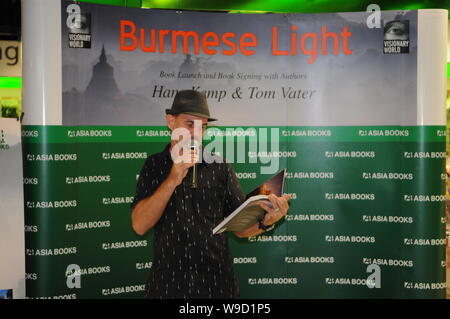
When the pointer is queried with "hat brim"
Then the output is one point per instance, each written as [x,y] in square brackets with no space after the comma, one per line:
[210,119]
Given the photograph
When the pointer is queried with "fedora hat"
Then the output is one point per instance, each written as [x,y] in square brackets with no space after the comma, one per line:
[190,102]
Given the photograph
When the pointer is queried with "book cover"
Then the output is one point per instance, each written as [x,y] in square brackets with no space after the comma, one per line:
[250,211]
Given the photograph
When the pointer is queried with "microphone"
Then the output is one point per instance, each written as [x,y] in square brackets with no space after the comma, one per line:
[194,146]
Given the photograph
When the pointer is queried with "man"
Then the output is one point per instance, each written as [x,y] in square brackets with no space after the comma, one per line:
[188,260]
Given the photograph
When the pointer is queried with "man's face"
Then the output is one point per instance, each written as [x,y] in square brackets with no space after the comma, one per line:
[188,122]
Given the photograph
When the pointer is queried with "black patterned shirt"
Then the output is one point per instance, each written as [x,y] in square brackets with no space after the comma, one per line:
[188,260]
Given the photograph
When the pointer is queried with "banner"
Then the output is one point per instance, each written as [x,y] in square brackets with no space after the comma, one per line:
[10,59]
[324,95]
[12,239]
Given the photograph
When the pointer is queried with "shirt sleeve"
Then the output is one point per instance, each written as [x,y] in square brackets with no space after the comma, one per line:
[144,186]
[234,196]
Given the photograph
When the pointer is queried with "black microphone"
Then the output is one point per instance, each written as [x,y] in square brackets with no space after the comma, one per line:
[194,147]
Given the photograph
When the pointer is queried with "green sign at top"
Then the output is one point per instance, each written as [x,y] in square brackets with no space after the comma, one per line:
[10,82]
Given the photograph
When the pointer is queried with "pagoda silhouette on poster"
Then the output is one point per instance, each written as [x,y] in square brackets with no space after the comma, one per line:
[102,84]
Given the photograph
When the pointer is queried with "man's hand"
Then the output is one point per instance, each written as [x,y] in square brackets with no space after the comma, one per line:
[277,211]
[181,165]
[278,208]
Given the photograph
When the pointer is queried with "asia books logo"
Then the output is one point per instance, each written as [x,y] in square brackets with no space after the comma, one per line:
[79,25]
[396,37]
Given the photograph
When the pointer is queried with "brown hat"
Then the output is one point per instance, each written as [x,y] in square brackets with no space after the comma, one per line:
[190,102]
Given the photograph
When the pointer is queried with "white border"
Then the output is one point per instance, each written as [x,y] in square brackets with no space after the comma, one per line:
[431,66]
[41,52]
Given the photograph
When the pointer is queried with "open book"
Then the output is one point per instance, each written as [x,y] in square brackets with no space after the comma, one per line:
[249,213]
